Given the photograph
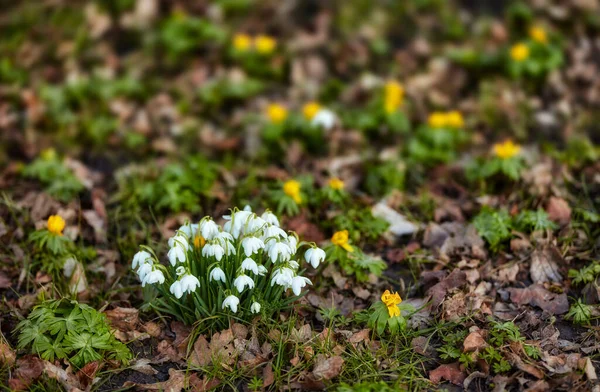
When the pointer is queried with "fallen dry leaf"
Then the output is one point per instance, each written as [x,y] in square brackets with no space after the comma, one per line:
[545,265]
[558,210]
[450,372]
[474,342]
[537,295]
[7,355]
[29,369]
[175,383]
[326,369]
[456,279]
[125,319]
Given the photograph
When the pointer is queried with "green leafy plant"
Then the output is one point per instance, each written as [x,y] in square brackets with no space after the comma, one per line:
[351,259]
[506,160]
[493,226]
[536,56]
[62,329]
[585,275]
[181,34]
[387,314]
[528,221]
[59,181]
[579,312]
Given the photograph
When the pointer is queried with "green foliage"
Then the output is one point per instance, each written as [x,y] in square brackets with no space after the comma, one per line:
[62,329]
[485,168]
[367,386]
[579,312]
[542,59]
[176,187]
[181,34]
[59,181]
[361,224]
[383,177]
[431,146]
[355,263]
[493,226]
[215,93]
[528,221]
[587,274]
[380,320]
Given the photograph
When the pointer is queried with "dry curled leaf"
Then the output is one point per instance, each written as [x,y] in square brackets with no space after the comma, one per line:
[450,372]
[537,295]
[544,265]
[326,369]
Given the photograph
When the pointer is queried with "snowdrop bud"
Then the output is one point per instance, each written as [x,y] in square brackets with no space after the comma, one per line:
[176,289]
[209,229]
[177,254]
[247,208]
[292,241]
[271,218]
[298,282]
[188,229]
[231,302]
[217,274]
[140,258]
[144,270]
[294,264]
[262,270]
[324,118]
[252,245]
[255,307]
[242,281]
[314,256]
[179,240]
[250,265]
[180,270]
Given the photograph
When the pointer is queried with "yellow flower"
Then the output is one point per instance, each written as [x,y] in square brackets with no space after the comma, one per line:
[199,241]
[391,301]
[454,119]
[340,238]
[336,184]
[437,120]
[292,189]
[311,109]
[276,113]
[56,224]
[506,150]
[394,95]
[242,42]
[48,154]
[265,44]
[519,52]
[538,34]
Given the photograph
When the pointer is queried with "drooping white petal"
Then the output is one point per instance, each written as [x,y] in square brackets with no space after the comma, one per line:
[250,265]
[231,302]
[217,274]
[140,258]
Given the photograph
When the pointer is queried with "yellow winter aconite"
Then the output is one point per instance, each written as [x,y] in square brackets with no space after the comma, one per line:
[519,52]
[242,42]
[265,44]
[310,110]
[340,238]
[451,119]
[506,150]
[336,184]
[276,113]
[394,96]
[56,224]
[391,301]
[199,241]
[538,34]
[292,189]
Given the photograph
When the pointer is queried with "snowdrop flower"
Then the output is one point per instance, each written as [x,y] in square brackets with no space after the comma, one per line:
[176,289]
[144,270]
[283,277]
[298,282]
[279,249]
[293,264]
[231,302]
[324,118]
[237,222]
[155,276]
[262,270]
[255,307]
[209,229]
[250,265]
[252,245]
[180,270]
[255,224]
[269,217]
[179,239]
[213,250]
[188,229]
[242,281]
[189,283]
[314,256]
[292,241]
[177,253]
[273,232]
[217,274]
[140,258]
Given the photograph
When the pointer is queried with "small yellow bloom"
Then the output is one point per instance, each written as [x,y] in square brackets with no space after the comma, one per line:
[506,150]
[292,189]
[437,120]
[242,42]
[336,184]
[199,241]
[519,52]
[391,301]
[276,113]
[394,96]
[340,238]
[538,34]
[454,119]
[56,224]
[310,110]
[265,44]
[48,154]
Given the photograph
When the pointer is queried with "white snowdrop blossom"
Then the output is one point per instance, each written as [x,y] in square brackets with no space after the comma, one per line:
[298,282]
[324,118]
[231,302]
[252,245]
[314,256]
[236,266]
[250,265]
[217,274]
[140,258]
[242,281]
